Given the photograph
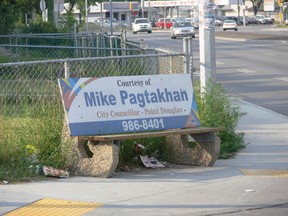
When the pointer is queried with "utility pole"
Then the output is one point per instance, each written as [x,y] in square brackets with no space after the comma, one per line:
[280,4]
[238,9]
[207,42]
[86,15]
[142,8]
[149,11]
[111,18]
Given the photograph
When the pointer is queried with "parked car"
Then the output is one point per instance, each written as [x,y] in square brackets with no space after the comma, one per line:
[242,20]
[261,19]
[269,20]
[182,29]
[106,22]
[161,23]
[178,19]
[236,19]
[218,22]
[194,21]
[141,25]
[252,20]
[230,25]
[264,20]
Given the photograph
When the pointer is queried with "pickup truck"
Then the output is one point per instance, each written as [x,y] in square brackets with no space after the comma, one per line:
[141,25]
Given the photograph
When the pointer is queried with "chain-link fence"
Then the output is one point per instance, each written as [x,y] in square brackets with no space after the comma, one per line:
[35,47]
[31,111]
[57,39]
[38,80]
[34,77]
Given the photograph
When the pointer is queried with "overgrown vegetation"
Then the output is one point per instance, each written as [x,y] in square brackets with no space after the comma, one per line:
[216,109]
[34,138]
[7,18]
[66,25]
[31,139]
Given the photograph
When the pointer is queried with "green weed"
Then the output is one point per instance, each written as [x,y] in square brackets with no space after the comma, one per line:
[218,109]
[30,139]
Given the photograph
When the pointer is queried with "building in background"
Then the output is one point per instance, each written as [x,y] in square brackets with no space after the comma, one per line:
[153,10]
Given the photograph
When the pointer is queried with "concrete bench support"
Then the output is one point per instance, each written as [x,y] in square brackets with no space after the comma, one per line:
[104,160]
[99,155]
[99,159]
[203,151]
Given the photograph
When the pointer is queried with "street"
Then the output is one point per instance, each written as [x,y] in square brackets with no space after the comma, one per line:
[254,71]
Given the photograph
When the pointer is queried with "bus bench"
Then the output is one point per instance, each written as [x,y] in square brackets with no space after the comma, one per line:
[103,111]
[105,149]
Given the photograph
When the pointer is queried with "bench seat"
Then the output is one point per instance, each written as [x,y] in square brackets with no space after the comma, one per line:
[196,130]
[105,149]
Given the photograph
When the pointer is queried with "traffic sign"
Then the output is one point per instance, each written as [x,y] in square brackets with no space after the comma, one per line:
[42,5]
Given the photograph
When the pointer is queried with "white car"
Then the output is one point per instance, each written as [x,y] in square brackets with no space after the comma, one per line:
[182,29]
[141,25]
[194,21]
[230,25]
[261,19]
[106,23]
[218,22]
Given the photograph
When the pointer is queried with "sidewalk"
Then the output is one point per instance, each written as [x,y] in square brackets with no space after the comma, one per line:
[231,187]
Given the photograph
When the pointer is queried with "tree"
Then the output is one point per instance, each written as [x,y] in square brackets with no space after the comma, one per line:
[256,4]
[7,16]
[26,7]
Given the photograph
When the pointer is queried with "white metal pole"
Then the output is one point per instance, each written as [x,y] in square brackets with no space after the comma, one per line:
[142,8]
[206,43]
[111,18]
[164,17]
[149,11]
[86,15]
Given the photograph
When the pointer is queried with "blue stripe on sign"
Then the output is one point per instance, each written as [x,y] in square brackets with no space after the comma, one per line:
[131,125]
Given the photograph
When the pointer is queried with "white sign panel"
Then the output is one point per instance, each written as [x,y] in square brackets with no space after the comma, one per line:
[128,103]
[188,3]
[269,5]
[42,5]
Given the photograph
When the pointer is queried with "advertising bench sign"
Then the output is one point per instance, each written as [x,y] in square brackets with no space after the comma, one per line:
[108,105]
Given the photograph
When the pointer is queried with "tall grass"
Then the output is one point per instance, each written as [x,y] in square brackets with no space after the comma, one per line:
[31,139]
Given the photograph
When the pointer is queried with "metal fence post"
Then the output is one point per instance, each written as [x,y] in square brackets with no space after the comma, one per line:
[141,46]
[66,70]
[75,42]
[188,58]
[123,40]
[111,44]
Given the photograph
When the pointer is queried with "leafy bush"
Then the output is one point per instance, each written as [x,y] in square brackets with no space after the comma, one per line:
[40,27]
[7,18]
[218,109]
[67,23]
